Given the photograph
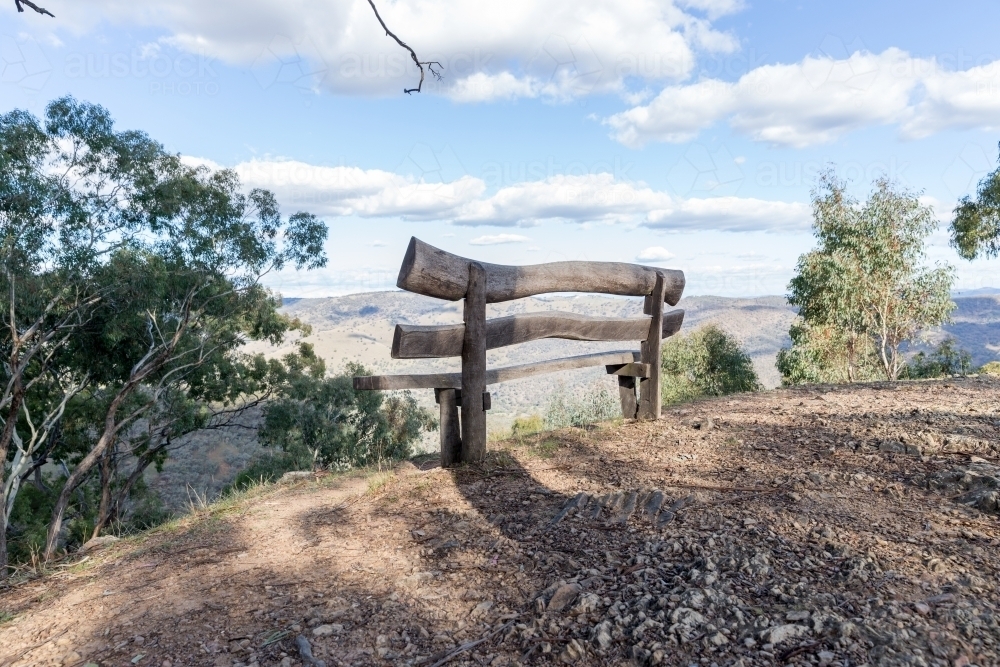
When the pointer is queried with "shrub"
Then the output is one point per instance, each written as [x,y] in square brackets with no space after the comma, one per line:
[527,425]
[266,468]
[324,421]
[991,368]
[707,362]
[824,355]
[946,359]
[597,405]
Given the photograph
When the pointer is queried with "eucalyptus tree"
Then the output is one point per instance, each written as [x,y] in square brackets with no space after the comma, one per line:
[70,193]
[975,229]
[866,289]
[128,274]
[193,296]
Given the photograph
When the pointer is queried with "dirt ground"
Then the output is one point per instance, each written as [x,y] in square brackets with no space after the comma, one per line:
[816,526]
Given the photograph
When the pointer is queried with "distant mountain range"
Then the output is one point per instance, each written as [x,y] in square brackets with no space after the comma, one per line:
[359,327]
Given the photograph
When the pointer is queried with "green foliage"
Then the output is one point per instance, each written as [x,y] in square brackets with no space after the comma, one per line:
[324,421]
[945,360]
[975,229]
[864,290]
[707,362]
[527,426]
[598,404]
[132,282]
[990,368]
[33,507]
[824,355]
[265,469]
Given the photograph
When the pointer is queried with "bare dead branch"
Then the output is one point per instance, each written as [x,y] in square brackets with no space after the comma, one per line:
[40,10]
[430,63]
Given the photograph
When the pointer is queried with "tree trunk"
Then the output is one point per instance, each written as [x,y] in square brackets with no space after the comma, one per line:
[852,352]
[5,439]
[113,509]
[82,470]
[107,476]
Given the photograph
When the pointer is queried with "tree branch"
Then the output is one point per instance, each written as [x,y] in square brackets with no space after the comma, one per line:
[430,63]
[40,10]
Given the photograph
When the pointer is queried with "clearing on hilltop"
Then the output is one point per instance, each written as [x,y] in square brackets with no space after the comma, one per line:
[823,525]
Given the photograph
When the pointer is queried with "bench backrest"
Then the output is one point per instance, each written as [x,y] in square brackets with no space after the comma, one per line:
[433,272]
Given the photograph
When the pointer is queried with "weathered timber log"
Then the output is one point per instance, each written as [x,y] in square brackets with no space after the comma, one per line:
[474,366]
[451,436]
[412,341]
[649,387]
[626,392]
[634,369]
[433,272]
[494,376]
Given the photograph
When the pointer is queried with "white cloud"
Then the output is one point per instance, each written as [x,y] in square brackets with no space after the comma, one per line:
[590,198]
[497,239]
[714,8]
[819,99]
[732,214]
[520,48]
[656,253]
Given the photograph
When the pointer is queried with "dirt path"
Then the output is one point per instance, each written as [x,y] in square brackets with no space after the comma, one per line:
[817,526]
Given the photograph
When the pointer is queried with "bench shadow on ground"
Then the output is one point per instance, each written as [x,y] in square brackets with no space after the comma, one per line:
[417,561]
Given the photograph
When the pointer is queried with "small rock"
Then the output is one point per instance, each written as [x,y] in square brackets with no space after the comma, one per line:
[782,633]
[482,608]
[922,608]
[825,657]
[718,639]
[846,629]
[801,615]
[602,634]
[564,597]
[574,652]
[286,661]
[295,476]
[98,543]
[327,629]
[589,602]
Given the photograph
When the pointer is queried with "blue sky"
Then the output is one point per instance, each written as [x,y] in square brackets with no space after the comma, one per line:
[683,133]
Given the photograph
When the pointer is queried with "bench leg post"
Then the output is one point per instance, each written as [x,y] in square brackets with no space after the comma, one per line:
[626,391]
[474,367]
[649,388]
[451,438]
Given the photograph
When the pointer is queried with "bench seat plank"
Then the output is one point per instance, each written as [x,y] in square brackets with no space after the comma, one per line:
[494,376]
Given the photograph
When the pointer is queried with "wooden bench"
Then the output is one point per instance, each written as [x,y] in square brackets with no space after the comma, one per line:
[432,272]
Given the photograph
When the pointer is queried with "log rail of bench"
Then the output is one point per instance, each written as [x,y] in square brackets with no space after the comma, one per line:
[437,273]
[619,363]
[430,342]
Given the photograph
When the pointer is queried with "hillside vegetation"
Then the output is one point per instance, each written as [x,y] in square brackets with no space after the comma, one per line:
[817,525]
[359,328]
